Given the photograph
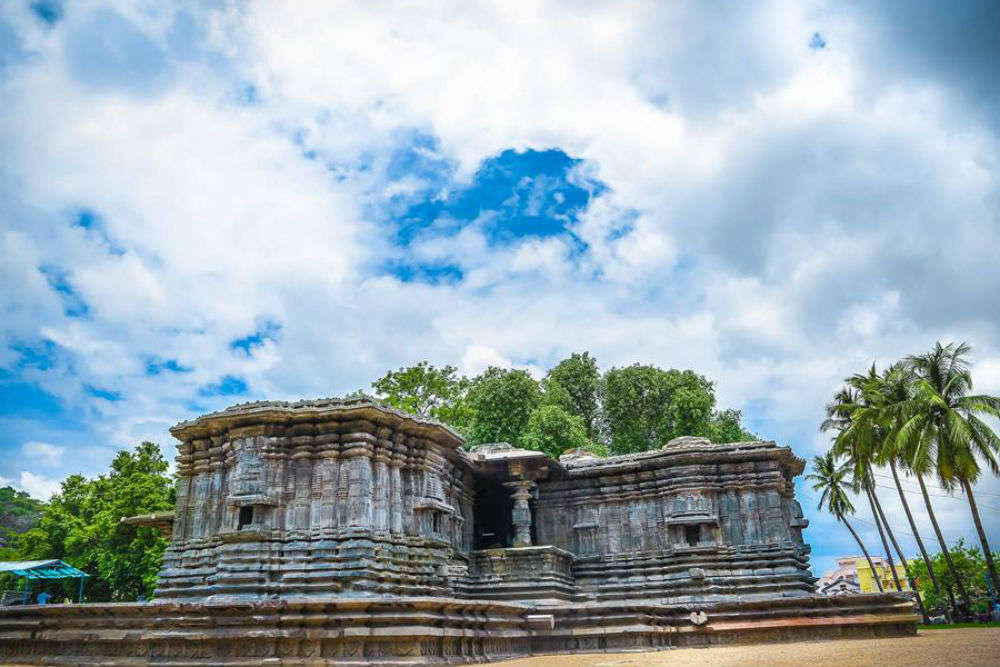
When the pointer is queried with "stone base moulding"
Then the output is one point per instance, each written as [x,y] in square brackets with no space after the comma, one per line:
[417,631]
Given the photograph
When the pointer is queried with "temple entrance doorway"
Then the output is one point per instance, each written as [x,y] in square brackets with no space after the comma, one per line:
[493,527]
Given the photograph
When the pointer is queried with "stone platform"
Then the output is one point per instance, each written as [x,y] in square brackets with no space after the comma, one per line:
[417,631]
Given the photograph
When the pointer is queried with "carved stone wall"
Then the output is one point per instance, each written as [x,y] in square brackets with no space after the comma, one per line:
[527,573]
[322,498]
[692,522]
[316,499]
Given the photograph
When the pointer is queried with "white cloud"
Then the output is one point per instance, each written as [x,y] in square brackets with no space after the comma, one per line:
[37,486]
[477,358]
[49,454]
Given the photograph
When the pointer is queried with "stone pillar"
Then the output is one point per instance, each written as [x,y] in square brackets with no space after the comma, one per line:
[396,493]
[521,514]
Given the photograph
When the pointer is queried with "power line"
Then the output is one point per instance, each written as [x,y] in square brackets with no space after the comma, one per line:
[933,495]
[855,517]
[932,486]
[894,530]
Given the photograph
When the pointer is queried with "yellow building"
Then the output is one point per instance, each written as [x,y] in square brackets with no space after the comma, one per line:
[854,576]
[867,582]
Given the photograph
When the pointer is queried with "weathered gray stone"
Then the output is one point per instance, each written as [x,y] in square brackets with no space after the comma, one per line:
[324,531]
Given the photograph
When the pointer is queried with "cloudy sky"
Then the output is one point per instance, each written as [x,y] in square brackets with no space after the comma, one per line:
[207,203]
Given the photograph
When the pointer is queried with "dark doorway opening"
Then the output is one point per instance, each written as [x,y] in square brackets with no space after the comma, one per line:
[246,517]
[693,535]
[492,524]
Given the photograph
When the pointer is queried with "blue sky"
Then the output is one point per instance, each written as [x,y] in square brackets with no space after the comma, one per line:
[207,203]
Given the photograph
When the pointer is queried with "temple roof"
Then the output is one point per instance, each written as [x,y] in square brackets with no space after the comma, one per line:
[258,412]
[367,408]
[685,447]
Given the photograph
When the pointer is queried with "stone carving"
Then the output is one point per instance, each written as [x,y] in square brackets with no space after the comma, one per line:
[318,531]
[521,516]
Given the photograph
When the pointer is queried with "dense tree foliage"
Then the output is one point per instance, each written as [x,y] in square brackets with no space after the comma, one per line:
[574,385]
[624,410]
[502,401]
[82,525]
[967,563]
[727,426]
[645,407]
[423,389]
[552,430]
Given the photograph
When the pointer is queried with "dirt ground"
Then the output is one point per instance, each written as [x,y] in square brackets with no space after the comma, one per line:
[966,647]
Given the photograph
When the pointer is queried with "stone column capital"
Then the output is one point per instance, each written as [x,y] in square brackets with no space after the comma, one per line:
[521,487]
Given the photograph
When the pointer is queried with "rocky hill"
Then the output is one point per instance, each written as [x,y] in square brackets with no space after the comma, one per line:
[18,512]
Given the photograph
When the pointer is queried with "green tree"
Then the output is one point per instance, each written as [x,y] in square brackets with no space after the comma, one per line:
[82,525]
[834,481]
[428,391]
[947,417]
[554,393]
[501,402]
[967,570]
[646,406]
[726,426]
[552,430]
[580,381]
[421,390]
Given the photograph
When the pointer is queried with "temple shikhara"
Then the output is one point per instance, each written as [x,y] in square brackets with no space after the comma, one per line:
[343,532]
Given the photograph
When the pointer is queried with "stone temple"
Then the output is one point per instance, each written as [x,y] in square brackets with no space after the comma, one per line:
[346,533]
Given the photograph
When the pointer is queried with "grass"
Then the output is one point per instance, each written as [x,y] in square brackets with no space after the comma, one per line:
[945,626]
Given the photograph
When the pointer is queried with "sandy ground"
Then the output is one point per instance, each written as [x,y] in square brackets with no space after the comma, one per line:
[967,647]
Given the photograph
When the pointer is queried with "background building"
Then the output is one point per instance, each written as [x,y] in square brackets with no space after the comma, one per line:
[853,575]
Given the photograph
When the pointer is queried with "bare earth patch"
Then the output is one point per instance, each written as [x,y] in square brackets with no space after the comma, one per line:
[968,647]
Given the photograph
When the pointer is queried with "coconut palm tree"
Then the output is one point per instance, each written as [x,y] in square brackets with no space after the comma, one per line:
[919,450]
[882,416]
[858,439]
[947,414]
[883,528]
[834,481]
[896,390]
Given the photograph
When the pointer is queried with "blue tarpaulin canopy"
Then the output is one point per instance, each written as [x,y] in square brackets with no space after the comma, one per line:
[43,569]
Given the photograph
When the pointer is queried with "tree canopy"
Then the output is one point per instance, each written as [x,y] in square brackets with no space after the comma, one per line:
[82,526]
[423,389]
[552,430]
[574,384]
[645,407]
[967,563]
[502,401]
[623,410]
